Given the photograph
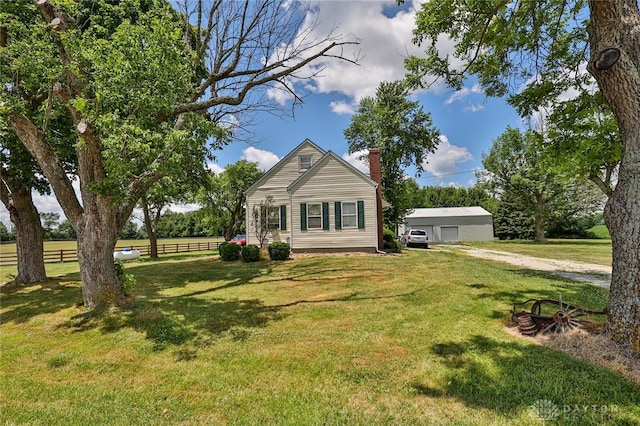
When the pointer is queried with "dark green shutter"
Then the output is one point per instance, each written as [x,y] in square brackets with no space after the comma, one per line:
[325,216]
[338,215]
[303,216]
[283,217]
[360,214]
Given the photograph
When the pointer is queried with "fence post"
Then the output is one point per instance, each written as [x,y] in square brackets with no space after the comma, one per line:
[61,255]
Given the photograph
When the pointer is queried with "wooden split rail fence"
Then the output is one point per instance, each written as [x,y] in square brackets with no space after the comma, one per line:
[71,255]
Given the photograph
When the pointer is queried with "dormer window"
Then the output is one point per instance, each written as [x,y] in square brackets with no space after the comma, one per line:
[304,162]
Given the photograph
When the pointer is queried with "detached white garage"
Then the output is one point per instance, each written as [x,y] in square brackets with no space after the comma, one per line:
[450,224]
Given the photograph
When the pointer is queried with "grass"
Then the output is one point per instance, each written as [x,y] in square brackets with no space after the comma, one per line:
[7,273]
[601,231]
[411,339]
[587,251]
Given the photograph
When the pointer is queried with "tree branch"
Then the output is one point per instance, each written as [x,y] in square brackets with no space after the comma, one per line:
[51,165]
[256,82]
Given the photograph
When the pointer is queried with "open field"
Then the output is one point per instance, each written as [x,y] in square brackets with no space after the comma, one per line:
[71,245]
[58,251]
[413,339]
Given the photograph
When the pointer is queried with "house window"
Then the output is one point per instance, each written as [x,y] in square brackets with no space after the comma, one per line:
[349,215]
[304,162]
[314,216]
[273,217]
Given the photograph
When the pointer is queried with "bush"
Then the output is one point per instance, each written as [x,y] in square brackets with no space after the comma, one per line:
[388,235]
[251,253]
[127,281]
[391,243]
[393,246]
[279,251]
[229,252]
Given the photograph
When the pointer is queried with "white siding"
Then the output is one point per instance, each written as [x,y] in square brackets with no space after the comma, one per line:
[276,186]
[470,228]
[330,183]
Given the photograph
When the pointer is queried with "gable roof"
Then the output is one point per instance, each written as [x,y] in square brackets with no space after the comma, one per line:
[320,163]
[273,170]
[448,212]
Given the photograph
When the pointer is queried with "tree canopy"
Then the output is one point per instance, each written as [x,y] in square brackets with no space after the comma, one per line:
[536,53]
[403,132]
[146,93]
[223,197]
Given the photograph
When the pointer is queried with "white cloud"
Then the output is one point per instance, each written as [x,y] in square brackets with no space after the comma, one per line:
[215,168]
[341,107]
[446,158]
[473,108]
[279,94]
[265,159]
[385,41]
[355,160]
[463,96]
[182,208]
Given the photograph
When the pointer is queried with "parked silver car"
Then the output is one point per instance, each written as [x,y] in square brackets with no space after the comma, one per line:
[416,237]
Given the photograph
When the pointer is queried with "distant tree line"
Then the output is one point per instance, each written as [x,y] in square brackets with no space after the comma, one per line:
[570,212]
[513,219]
[171,225]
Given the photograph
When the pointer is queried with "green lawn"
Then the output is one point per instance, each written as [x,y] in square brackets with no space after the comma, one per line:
[600,231]
[365,340]
[586,251]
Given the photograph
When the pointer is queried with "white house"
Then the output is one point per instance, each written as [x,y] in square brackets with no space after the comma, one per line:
[450,224]
[319,202]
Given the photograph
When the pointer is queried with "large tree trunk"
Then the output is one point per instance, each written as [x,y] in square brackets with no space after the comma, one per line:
[232,226]
[622,215]
[539,218]
[29,235]
[97,237]
[615,63]
[150,228]
[97,222]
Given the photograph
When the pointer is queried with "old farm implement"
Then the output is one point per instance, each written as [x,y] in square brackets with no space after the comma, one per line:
[548,315]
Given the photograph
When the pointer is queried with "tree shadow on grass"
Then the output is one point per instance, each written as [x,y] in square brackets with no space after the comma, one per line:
[20,303]
[510,378]
[577,293]
[173,317]
[185,318]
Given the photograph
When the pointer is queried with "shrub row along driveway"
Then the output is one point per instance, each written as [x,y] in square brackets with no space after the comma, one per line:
[599,275]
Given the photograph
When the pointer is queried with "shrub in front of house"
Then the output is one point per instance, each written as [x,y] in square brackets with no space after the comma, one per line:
[229,252]
[391,243]
[251,253]
[279,250]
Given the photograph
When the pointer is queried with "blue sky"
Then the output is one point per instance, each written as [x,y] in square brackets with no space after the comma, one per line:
[467,119]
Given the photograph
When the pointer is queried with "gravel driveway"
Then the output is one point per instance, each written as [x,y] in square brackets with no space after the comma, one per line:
[596,274]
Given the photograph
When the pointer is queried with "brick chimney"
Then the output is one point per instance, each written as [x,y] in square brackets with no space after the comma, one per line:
[376,174]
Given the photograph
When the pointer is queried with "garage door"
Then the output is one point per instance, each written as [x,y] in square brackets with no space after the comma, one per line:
[449,233]
[419,225]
